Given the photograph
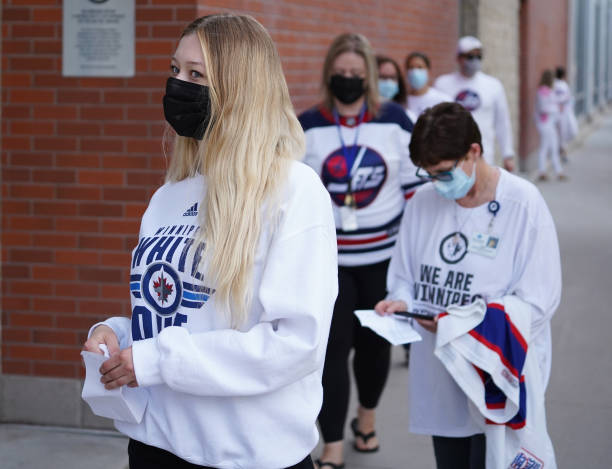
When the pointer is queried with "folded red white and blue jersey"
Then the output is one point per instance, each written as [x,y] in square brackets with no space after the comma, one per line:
[485,348]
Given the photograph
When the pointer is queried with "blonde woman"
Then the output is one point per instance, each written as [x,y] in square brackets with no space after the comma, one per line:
[234,277]
[360,149]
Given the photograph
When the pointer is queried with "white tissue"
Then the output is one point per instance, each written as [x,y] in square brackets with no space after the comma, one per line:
[125,403]
[396,331]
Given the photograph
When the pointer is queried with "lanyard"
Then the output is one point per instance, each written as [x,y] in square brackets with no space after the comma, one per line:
[351,159]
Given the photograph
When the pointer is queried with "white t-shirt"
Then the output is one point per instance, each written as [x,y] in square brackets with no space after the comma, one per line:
[484,96]
[432,268]
[220,397]
[417,104]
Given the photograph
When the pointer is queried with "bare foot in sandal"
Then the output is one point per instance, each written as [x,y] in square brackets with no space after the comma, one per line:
[363,426]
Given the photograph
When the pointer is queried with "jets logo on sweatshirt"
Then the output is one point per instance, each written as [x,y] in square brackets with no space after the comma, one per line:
[468,99]
[366,171]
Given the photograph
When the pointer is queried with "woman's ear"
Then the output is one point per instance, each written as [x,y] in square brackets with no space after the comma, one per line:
[475,150]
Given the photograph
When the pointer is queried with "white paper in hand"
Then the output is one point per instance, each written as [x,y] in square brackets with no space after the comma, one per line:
[126,404]
[396,331]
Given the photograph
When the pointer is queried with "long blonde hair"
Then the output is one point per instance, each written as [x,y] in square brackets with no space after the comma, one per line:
[245,154]
[359,44]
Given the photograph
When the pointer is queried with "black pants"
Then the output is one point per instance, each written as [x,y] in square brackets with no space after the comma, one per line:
[359,288]
[143,456]
[460,453]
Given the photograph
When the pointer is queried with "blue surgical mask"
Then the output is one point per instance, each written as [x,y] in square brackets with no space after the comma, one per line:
[418,78]
[458,186]
[388,88]
[471,66]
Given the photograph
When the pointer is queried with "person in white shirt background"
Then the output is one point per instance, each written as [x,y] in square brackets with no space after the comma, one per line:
[234,277]
[482,95]
[420,94]
[391,84]
[546,118]
[438,262]
[567,124]
[359,145]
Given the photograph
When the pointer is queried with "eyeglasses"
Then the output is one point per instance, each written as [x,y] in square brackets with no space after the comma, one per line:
[472,56]
[443,176]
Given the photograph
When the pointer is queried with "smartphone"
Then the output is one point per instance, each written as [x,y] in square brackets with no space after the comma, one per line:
[416,315]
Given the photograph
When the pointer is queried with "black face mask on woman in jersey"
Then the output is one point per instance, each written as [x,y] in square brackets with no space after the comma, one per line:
[346,90]
[187,107]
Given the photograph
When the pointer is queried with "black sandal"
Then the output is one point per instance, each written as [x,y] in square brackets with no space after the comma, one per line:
[329,464]
[364,437]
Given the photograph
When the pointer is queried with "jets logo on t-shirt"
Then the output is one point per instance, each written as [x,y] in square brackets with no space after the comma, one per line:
[468,99]
[161,288]
[453,248]
[367,172]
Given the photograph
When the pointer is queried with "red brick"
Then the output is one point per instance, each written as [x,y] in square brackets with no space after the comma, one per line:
[16,47]
[100,242]
[52,15]
[16,111]
[55,208]
[15,271]
[100,210]
[77,225]
[55,112]
[147,179]
[56,176]
[16,79]
[60,370]
[52,272]
[48,47]
[32,159]
[15,143]
[15,304]
[170,31]
[100,113]
[115,259]
[78,129]
[100,307]
[55,143]
[155,14]
[31,96]
[77,290]
[126,97]
[80,160]
[30,320]
[69,354]
[155,47]
[76,257]
[30,255]
[35,2]
[126,162]
[79,193]
[78,322]
[120,226]
[102,82]
[16,367]
[54,305]
[125,194]
[147,146]
[101,275]
[30,288]
[145,113]
[55,240]
[12,335]
[31,30]
[32,191]
[135,210]
[102,145]
[105,178]
[125,130]
[31,223]
[16,239]
[118,292]
[78,96]
[16,207]
[32,128]
[15,14]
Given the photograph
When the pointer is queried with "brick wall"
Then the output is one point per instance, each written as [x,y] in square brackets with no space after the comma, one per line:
[543,45]
[81,156]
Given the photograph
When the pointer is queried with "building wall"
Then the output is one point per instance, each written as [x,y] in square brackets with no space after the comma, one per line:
[544,42]
[81,157]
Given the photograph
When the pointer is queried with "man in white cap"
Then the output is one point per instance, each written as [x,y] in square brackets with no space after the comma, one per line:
[484,96]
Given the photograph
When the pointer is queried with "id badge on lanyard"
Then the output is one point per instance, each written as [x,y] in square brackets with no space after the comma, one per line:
[348,212]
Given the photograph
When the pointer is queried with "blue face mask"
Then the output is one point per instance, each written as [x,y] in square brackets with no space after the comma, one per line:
[458,186]
[388,88]
[418,78]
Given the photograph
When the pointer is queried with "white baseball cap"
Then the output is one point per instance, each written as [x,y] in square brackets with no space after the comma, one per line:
[468,43]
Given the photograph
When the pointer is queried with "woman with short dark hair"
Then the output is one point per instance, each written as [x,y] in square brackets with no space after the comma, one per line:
[476,232]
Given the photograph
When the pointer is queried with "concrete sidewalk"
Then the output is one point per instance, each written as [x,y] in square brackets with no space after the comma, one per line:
[579,401]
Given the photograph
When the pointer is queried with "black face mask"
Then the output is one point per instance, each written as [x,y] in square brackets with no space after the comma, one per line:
[347,90]
[187,107]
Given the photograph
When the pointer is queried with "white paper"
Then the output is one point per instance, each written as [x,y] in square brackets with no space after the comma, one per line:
[125,403]
[396,331]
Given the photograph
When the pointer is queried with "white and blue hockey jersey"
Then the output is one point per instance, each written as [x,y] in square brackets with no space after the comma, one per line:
[377,162]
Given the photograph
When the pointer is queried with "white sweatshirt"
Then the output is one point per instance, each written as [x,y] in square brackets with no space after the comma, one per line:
[484,96]
[547,106]
[232,399]
[417,104]
[432,268]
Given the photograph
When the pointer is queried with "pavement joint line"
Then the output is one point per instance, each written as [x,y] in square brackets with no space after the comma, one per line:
[72,430]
